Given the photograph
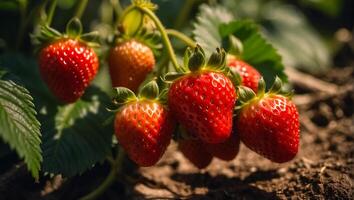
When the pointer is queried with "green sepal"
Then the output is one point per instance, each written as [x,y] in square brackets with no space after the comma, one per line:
[235,46]
[288,94]
[145,4]
[277,85]
[187,55]
[171,76]
[91,37]
[197,59]
[150,38]
[132,21]
[245,94]
[45,35]
[217,59]
[149,90]
[50,32]
[234,76]
[74,28]
[123,95]
[261,87]
[163,96]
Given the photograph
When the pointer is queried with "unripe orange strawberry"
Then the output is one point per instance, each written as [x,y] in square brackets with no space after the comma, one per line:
[129,63]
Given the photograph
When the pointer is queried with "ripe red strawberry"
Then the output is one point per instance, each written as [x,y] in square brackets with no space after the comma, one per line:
[68,66]
[203,103]
[203,99]
[227,150]
[129,64]
[195,152]
[144,129]
[250,76]
[269,125]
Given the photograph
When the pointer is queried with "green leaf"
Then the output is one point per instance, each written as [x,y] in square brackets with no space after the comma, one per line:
[76,139]
[288,30]
[19,126]
[206,31]
[74,136]
[256,50]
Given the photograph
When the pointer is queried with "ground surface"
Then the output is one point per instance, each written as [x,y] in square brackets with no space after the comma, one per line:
[323,169]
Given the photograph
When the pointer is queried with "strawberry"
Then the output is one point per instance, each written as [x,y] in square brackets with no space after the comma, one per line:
[67,62]
[68,66]
[226,150]
[250,76]
[143,127]
[269,125]
[129,63]
[203,100]
[195,152]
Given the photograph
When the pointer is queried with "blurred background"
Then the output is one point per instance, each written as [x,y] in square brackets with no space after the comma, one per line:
[315,39]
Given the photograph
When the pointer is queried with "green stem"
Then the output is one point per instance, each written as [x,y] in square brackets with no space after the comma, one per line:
[115,169]
[181,36]
[164,35]
[23,23]
[51,12]
[184,13]
[81,8]
[117,8]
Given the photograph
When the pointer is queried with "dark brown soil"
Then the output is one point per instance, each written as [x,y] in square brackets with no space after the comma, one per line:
[323,169]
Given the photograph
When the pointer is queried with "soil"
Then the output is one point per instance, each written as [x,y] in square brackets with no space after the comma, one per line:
[323,169]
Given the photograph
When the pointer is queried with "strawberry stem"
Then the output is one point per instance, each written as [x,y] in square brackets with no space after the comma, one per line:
[116,167]
[166,41]
[117,8]
[51,12]
[80,8]
[181,36]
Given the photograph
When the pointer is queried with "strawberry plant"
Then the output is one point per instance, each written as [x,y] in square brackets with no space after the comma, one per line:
[86,98]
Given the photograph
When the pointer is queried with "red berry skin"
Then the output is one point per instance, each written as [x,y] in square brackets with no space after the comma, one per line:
[144,130]
[250,76]
[195,152]
[129,64]
[68,66]
[203,103]
[270,127]
[227,150]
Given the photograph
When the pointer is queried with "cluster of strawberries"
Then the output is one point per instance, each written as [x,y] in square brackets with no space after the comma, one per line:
[203,106]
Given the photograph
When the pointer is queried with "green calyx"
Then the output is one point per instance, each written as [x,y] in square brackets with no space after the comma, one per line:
[134,24]
[247,95]
[234,46]
[194,60]
[47,34]
[74,28]
[150,91]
